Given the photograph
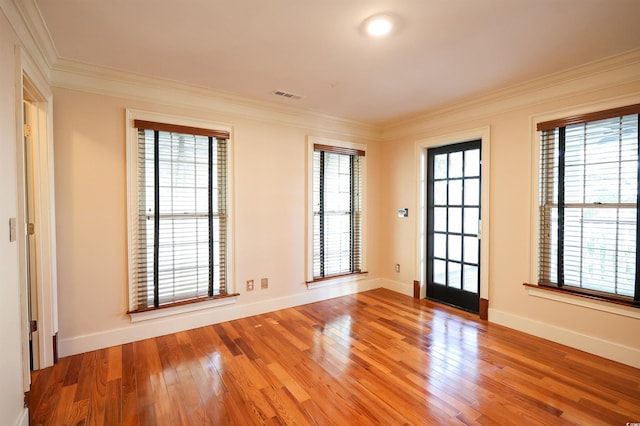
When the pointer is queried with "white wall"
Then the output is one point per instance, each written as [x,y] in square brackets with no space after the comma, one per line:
[11,384]
[269,190]
[509,115]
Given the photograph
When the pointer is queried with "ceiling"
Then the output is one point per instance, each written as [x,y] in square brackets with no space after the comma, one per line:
[441,52]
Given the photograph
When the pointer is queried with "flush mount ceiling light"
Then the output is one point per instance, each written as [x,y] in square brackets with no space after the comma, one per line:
[378,25]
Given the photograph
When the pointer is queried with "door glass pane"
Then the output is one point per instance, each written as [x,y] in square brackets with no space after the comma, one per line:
[440,193]
[455,192]
[455,247]
[455,219]
[440,219]
[472,162]
[440,166]
[472,192]
[470,278]
[440,245]
[455,164]
[471,220]
[439,272]
[470,249]
[454,274]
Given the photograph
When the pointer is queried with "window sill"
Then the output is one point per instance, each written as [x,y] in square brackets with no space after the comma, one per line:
[182,309]
[335,280]
[627,309]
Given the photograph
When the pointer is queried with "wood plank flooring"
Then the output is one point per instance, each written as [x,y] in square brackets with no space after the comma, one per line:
[370,358]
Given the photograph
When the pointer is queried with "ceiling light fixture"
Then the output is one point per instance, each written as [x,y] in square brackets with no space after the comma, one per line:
[379,25]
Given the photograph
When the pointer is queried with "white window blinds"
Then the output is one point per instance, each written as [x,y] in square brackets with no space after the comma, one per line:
[588,232]
[179,247]
[337,211]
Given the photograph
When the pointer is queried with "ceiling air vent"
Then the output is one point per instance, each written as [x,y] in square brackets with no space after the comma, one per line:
[287,95]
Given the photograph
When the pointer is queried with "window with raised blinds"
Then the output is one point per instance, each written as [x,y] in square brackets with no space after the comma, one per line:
[337,211]
[588,210]
[179,247]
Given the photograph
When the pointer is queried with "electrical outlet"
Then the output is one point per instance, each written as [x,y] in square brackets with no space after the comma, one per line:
[249,285]
[264,283]
[397,267]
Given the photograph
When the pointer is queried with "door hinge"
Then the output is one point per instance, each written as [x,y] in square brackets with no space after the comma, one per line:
[31,229]
[27,398]
[33,326]
[27,130]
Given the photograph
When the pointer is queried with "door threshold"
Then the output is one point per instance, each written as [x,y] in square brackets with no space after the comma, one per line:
[451,305]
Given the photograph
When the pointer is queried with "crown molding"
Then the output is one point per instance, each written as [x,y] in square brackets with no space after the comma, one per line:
[26,20]
[598,75]
[76,75]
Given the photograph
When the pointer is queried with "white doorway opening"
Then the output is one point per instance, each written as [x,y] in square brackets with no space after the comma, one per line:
[36,217]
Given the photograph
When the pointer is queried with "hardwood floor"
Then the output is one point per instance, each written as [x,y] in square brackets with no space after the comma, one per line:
[370,358]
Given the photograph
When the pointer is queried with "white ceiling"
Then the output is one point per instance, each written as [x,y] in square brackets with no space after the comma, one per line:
[442,52]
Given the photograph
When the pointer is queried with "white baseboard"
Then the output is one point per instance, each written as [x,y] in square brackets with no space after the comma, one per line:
[187,321]
[153,328]
[604,348]
[397,286]
[24,418]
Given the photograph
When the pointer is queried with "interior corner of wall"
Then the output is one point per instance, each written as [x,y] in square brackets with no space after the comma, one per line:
[397,286]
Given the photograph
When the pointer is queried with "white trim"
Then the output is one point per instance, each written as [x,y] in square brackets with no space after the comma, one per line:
[181,309]
[601,74]
[38,30]
[202,318]
[329,282]
[484,134]
[43,209]
[535,162]
[604,348]
[89,78]
[612,308]
[311,140]
[25,19]
[23,263]
[397,286]
[131,154]
[23,420]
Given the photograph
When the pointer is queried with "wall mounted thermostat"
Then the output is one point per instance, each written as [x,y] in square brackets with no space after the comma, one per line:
[403,212]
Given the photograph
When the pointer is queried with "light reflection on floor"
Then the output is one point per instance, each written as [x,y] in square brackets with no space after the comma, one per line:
[327,342]
[453,353]
[213,364]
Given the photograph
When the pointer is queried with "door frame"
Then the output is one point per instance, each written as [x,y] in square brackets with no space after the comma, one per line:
[31,83]
[421,146]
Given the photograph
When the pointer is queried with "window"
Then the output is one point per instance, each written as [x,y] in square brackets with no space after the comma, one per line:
[337,211]
[588,206]
[178,214]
